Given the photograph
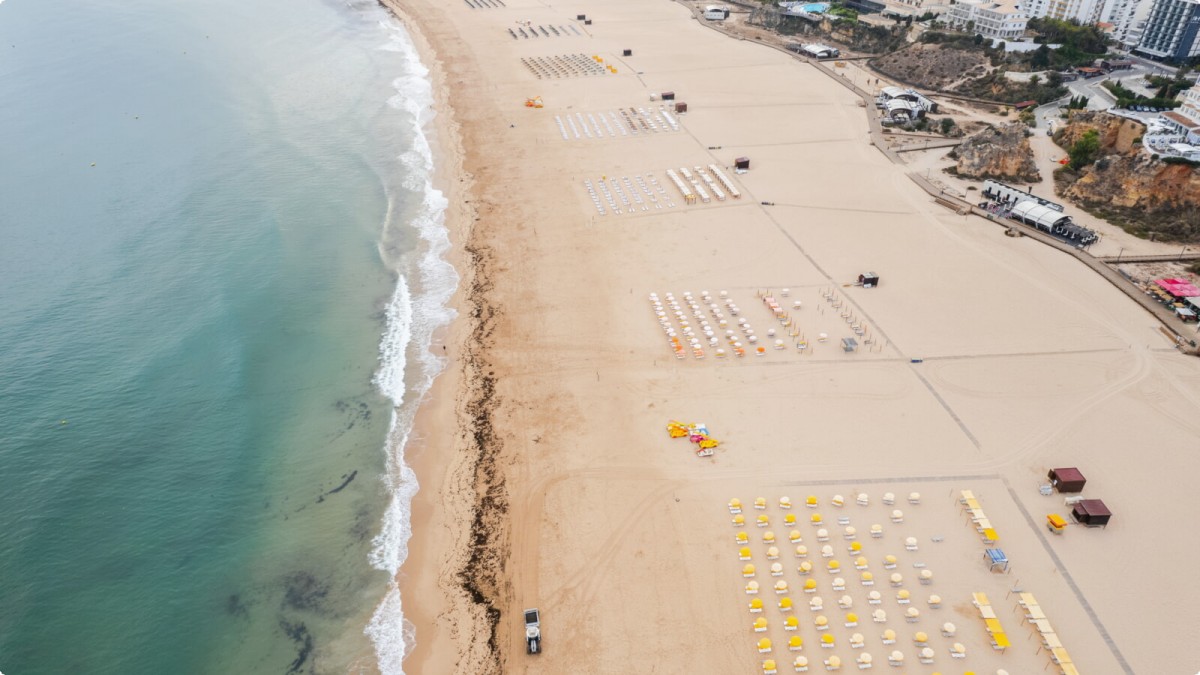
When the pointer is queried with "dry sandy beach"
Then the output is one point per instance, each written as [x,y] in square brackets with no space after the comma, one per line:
[548,478]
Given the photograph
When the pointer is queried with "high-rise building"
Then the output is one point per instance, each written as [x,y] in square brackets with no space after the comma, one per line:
[1171,30]
[1127,18]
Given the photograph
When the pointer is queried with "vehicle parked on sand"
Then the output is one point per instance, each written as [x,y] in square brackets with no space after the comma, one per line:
[533,631]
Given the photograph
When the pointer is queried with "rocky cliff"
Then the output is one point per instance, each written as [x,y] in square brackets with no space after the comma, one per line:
[1001,153]
[1129,186]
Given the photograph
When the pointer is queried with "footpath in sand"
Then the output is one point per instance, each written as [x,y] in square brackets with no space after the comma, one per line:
[983,361]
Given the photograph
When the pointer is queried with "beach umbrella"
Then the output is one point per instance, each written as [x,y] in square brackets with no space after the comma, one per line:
[914,498]
[850,533]
[735,505]
[926,576]
[910,543]
[949,629]
[791,623]
[874,597]
[800,662]
[863,499]
[760,503]
[838,500]
[860,562]
[764,520]
[739,520]
[789,519]
[748,570]
[776,569]
[889,562]
[864,659]
[839,584]
[811,501]
[756,605]
[889,498]
[741,537]
[805,568]
[816,604]
[834,566]
[764,646]
[827,640]
[855,548]
[897,516]
[801,551]
[935,601]
[760,625]
[927,654]
[768,665]
[785,502]
[877,530]
[822,534]
[768,537]
[833,662]
[912,614]
[889,636]
[896,658]
[920,638]
[902,595]
[846,602]
[857,640]
[795,643]
[785,604]
[794,537]
[744,553]
[851,620]
[752,588]
[810,586]
[897,579]
[879,616]
[867,578]
[815,518]
[826,551]
[958,648]
[822,622]
[772,553]
[781,586]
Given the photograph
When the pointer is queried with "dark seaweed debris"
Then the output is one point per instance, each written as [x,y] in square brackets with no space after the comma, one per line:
[481,573]
[345,481]
[302,590]
[299,634]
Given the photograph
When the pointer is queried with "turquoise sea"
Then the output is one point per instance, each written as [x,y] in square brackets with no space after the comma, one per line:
[219,273]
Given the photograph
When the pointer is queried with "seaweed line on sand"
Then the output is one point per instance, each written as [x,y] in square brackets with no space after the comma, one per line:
[481,573]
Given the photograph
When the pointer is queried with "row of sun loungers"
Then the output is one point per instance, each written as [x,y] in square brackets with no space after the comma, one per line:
[999,638]
[625,121]
[526,30]
[1037,618]
[566,65]
[978,518]
[485,4]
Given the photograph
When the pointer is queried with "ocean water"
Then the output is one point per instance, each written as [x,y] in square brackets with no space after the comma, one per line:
[220,269]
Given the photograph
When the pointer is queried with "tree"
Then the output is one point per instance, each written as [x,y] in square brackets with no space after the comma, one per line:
[1085,150]
[1041,58]
[1034,80]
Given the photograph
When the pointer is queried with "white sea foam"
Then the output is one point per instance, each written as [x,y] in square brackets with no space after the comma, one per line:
[412,318]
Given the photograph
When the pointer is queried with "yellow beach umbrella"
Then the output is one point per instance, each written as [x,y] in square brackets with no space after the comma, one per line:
[805,568]
[781,586]
[756,605]
[760,625]
[747,570]
[834,565]
[789,519]
[821,621]
[735,505]
[769,667]
[741,537]
[815,519]
[764,645]
[791,623]
[752,588]
[860,562]
[811,501]
[739,520]
[795,642]
[763,520]
[827,639]
[855,548]
[801,551]
[810,585]
[760,502]
[794,537]
[744,553]
[785,604]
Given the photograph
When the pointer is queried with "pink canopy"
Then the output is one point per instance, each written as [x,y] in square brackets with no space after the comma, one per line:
[1180,288]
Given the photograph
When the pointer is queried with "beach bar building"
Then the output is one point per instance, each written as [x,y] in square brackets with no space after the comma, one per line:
[1067,480]
[1054,222]
[1091,512]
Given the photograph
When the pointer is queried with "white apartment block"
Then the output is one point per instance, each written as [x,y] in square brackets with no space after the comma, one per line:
[1171,30]
[1127,18]
[1083,11]
[1003,20]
